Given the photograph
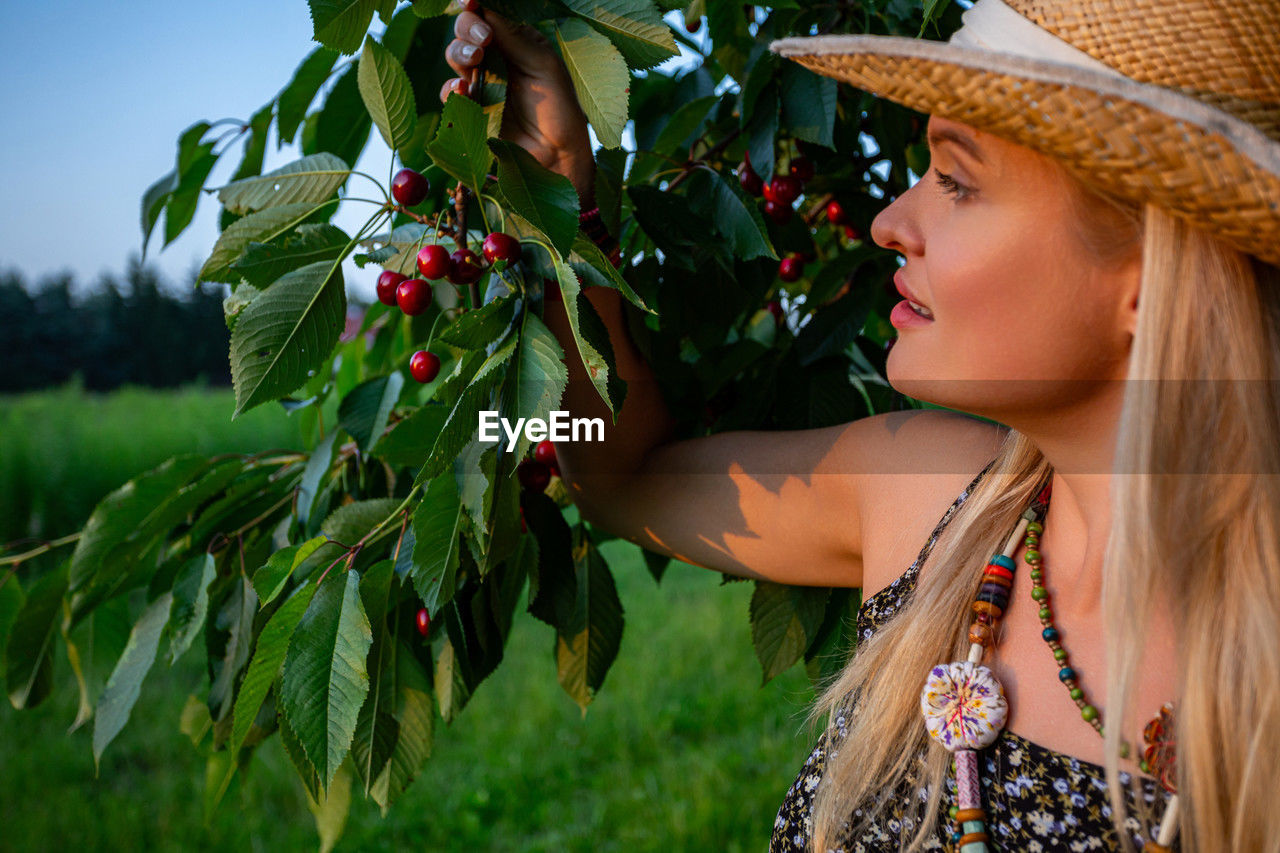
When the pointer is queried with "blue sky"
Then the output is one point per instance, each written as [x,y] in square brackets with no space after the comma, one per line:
[94,99]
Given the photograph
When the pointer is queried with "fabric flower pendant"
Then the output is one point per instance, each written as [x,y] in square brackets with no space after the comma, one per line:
[963,705]
[1158,754]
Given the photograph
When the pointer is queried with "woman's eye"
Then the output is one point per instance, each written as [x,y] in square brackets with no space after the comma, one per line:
[950,186]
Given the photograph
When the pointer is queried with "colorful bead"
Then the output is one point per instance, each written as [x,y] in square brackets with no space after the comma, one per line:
[980,633]
[1002,560]
[1033,556]
[1089,713]
[1039,593]
[1077,693]
[986,607]
[1066,673]
[1045,613]
[1060,655]
[998,572]
[963,705]
[1035,527]
[1050,634]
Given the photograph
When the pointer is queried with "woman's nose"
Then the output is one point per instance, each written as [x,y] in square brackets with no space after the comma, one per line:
[894,228]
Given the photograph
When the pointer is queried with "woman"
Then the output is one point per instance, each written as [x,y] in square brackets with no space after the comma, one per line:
[1101,206]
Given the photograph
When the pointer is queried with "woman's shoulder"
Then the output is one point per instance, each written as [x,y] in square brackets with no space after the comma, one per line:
[911,507]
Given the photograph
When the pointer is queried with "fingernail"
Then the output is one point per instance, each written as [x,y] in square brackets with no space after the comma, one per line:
[467,51]
[479,32]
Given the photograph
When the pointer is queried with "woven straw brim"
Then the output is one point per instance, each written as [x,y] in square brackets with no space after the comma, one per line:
[1138,141]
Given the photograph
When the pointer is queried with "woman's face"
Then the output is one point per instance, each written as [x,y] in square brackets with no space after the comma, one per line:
[993,250]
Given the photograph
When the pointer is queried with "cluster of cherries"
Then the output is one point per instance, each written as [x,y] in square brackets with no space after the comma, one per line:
[535,475]
[779,193]
[413,295]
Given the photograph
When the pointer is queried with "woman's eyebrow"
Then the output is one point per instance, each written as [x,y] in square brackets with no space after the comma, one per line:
[946,134]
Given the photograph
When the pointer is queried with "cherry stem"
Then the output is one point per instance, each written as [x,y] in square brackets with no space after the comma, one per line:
[706,155]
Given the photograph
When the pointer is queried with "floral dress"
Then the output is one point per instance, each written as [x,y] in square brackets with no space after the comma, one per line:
[1035,799]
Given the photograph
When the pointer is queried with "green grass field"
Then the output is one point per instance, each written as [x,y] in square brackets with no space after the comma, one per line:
[682,749]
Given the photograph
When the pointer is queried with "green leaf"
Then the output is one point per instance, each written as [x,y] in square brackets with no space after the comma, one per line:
[126,524]
[317,466]
[364,412]
[414,713]
[29,651]
[325,681]
[600,77]
[387,94]
[587,646]
[474,471]
[463,422]
[783,621]
[762,130]
[181,205]
[312,179]
[287,332]
[436,524]
[591,265]
[459,146]
[298,755]
[406,240]
[343,123]
[833,327]
[269,581]
[592,338]
[153,201]
[190,604]
[808,104]
[263,263]
[237,612]
[118,698]
[11,600]
[634,26]
[479,327]
[341,24]
[539,376]
[430,8]
[255,148]
[262,226]
[409,442]
[736,217]
[331,808]
[296,97]
[268,659]
[546,199]
[348,524]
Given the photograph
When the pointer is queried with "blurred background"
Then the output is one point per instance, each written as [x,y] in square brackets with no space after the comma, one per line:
[111,362]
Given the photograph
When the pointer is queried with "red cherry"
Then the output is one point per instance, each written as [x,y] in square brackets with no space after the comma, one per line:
[410,188]
[775,308]
[424,366]
[500,247]
[413,296]
[750,181]
[534,475]
[853,232]
[387,284]
[791,268]
[802,169]
[783,189]
[693,24]
[433,261]
[545,452]
[464,267]
[423,621]
[778,212]
[835,213]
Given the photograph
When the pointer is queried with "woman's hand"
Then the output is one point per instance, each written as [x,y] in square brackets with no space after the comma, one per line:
[541,113]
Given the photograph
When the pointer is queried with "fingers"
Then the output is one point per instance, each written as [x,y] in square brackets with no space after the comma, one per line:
[457,84]
[472,28]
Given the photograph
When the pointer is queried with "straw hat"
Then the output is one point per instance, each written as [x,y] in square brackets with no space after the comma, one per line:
[1176,102]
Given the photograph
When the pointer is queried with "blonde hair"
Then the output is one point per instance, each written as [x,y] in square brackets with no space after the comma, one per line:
[1207,542]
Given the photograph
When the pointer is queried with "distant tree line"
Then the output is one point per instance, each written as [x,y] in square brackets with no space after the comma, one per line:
[131,331]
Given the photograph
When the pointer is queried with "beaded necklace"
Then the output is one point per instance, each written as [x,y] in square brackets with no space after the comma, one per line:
[965,709]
